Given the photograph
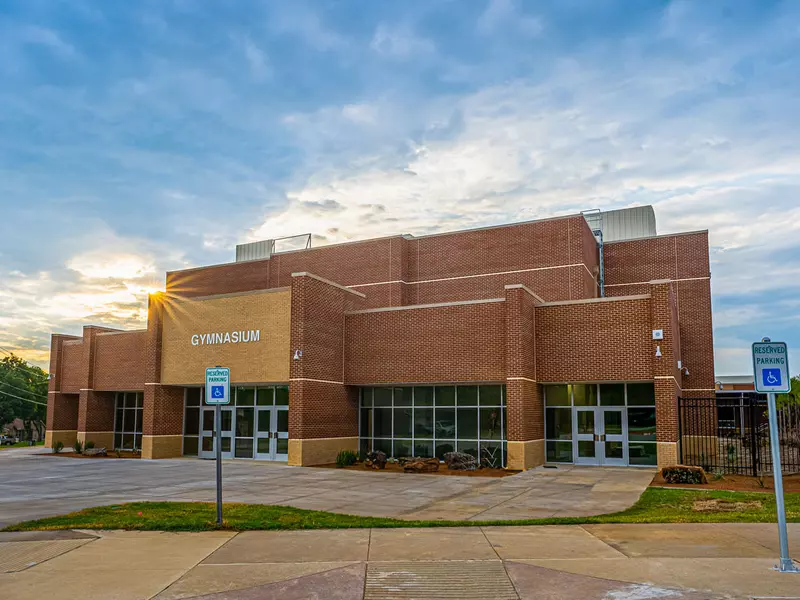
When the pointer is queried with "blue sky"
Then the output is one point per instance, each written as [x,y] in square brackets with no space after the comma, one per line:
[140,137]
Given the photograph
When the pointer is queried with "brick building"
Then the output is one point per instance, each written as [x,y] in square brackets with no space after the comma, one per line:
[558,340]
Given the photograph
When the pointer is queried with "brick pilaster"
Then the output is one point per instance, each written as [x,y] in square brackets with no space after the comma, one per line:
[524,408]
[323,411]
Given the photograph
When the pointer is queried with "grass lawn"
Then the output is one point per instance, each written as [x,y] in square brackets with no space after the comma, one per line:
[656,505]
[20,445]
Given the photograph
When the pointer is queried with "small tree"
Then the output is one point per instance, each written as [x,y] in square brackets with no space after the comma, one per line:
[792,398]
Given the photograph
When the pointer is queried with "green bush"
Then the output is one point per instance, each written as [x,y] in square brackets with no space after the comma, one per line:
[89,445]
[58,447]
[345,458]
[684,474]
[78,447]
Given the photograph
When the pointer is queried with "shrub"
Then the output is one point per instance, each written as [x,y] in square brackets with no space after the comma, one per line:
[58,447]
[345,458]
[684,474]
[89,445]
[78,447]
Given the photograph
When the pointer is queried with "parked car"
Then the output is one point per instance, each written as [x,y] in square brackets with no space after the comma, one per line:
[7,440]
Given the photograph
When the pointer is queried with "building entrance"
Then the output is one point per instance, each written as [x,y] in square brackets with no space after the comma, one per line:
[602,435]
[254,425]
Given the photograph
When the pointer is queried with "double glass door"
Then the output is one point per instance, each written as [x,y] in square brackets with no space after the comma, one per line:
[602,435]
[272,433]
[247,432]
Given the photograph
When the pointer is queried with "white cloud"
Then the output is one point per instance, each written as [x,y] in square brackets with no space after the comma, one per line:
[503,15]
[42,36]
[400,43]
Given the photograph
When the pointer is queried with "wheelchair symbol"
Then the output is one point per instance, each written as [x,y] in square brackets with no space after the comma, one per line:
[217,391]
[771,376]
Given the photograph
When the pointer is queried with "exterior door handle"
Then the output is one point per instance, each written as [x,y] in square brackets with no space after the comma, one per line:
[596,438]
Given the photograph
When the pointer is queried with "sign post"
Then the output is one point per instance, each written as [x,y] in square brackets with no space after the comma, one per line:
[218,392]
[771,370]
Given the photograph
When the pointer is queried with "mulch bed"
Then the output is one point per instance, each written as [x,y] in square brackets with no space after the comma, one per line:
[734,483]
[110,455]
[443,470]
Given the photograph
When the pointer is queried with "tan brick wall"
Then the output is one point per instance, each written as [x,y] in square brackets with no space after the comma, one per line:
[101,439]
[305,453]
[66,437]
[525,455]
[162,446]
[254,362]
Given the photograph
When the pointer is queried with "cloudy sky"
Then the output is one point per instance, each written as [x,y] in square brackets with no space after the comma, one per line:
[139,137]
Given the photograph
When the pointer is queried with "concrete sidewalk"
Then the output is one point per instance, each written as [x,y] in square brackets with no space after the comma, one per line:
[693,561]
[39,485]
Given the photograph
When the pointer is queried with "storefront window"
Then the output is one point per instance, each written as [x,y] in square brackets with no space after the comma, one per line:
[433,420]
[129,408]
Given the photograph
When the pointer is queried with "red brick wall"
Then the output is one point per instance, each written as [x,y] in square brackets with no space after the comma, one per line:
[410,269]
[72,367]
[682,257]
[601,340]
[461,342]
[95,411]
[162,412]
[220,279]
[62,412]
[120,361]
[321,406]
[525,411]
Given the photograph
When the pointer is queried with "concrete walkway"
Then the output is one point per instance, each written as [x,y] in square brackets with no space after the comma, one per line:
[38,484]
[560,562]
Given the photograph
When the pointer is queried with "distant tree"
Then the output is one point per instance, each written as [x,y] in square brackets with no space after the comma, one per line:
[23,394]
[793,397]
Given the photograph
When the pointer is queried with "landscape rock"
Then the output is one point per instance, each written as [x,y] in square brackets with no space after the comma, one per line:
[95,452]
[376,460]
[459,461]
[422,465]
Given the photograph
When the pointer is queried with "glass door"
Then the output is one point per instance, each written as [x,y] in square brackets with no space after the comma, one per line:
[208,433]
[264,421]
[588,450]
[280,434]
[613,435]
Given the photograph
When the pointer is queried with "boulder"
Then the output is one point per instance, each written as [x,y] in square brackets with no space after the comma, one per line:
[459,461]
[422,465]
[95,452]
[376,460]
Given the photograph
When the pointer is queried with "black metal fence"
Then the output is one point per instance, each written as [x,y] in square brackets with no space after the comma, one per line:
[730,434]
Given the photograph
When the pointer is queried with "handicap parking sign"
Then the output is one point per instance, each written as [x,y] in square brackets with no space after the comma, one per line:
[771,367]
[218,385]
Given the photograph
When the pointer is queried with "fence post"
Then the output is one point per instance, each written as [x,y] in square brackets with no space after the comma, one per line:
[755,447]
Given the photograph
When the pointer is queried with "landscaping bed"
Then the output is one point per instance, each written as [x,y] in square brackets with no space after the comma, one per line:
[443,470]
[735,483]
[656,505]
[122,454]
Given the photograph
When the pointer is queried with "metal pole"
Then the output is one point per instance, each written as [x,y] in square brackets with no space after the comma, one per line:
[218,419]
[786,564]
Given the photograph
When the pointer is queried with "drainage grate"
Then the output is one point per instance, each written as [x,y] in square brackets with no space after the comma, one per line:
[18,556]
[464,580]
